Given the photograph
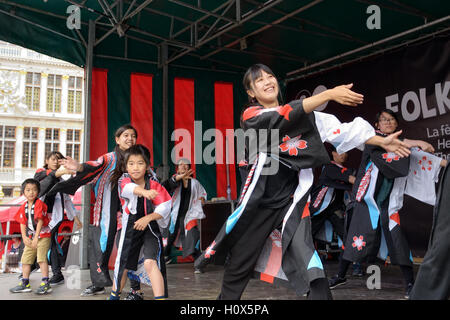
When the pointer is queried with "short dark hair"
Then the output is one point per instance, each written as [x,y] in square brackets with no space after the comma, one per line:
[31,181]
[388,111]
[136,150]
[121,168]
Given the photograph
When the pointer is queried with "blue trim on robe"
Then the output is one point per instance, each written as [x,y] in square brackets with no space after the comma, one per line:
[371,204]
[326,201]
[104,234]
[233,218]
[315,261]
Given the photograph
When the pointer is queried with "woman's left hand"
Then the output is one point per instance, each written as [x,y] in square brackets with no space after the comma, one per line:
[425,146]
[343,95]
[392,144]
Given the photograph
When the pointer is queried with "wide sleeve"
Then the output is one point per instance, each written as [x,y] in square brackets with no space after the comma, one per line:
[92,170]
[20,216]
[71,212]
[40,212]
[171,184]
[336,173]
[343,136]
[47,180]
[283,117]
[423,174]
[389,164]
[162,203]
[126,194]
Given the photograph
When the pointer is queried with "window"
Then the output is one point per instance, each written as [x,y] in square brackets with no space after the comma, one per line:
[75,95]
[30,142]
[73,143]
[7,146]
[33,90]
[54,93]
[51,140]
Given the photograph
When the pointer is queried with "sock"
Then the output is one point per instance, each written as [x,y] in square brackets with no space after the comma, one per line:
[45,280]
[160,298]
[115,293]
[25,282]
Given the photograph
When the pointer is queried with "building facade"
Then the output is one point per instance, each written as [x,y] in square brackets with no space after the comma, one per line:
[41,110]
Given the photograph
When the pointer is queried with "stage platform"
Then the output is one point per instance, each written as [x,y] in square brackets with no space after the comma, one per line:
[185,285]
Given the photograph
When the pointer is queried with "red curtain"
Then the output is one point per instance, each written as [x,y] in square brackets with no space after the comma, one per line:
[99,114]
[141,95]
[184,117]
[223,104]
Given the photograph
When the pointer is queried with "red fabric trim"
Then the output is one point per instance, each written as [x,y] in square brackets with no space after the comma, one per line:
[395,217]
[141,94]
[184,117]
[223,104]
[191,224]
[163,195]
[266,277]
[99,113]
[251,112]
[306,211]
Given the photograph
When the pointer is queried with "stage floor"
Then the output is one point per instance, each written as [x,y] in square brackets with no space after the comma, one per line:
[185,285]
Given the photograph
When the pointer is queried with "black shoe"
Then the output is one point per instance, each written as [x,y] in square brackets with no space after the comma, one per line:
[198,271]
[92,290]
[336,281]
[408,290]
[134,295]
[56,279]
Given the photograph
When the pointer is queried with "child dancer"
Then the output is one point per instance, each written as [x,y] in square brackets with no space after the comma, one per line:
[101,235]
[146,207]
[188,195]
[33,220]
[48,176]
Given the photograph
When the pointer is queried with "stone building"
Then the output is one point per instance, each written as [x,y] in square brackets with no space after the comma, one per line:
[41,109]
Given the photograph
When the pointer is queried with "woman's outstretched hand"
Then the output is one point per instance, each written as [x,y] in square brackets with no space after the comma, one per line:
[391,143]
[343,95]
[69,163]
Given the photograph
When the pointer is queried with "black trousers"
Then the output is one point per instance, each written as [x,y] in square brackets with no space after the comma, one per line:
[433,278]
[318,221]
[56,253]
[245,251]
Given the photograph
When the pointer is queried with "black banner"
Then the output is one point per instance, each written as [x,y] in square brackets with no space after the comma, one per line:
[414,82]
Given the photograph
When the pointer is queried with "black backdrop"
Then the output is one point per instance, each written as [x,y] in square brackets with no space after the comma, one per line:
[414,82]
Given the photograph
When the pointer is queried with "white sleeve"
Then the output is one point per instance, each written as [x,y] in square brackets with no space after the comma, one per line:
[71,212]
[343,136]
[127,193]
[423,173]
[163,210]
